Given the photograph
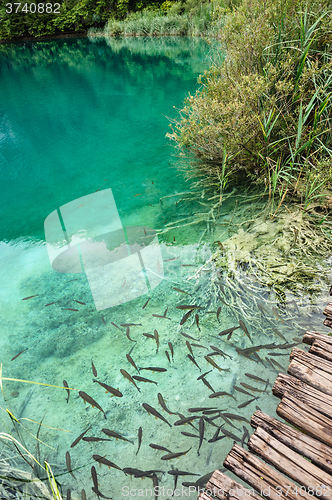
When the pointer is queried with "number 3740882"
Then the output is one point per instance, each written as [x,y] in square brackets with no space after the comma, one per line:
[33,8]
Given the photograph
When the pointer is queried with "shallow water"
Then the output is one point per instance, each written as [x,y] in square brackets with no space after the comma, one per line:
[82,122]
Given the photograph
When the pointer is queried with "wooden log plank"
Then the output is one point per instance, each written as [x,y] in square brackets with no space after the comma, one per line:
[204,496]
[289,462]
[260,476]
[328,309]
[309,420]
[225,488]
[328,322]
[320,454]
[322,350]
[313,376]
[298,390]
[312,360]
[310,336]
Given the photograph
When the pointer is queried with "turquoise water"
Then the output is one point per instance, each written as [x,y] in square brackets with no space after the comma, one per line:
[82,122]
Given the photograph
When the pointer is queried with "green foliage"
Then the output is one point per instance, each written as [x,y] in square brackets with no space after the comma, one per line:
[268,105]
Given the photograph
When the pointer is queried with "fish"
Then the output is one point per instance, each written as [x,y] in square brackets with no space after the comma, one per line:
[204,408]
[278,365]
[139,436]
[229,330]
[185,420]
[189,348]
[216,436]
[170,456]
[163,404]
[218,312]
[149,335]
[254,377]
[69,309]
[110,389]
[51,303]
[189,434]
[172,258]
[155,481]
[230,435]
[199,346]
[94,477]
[30,297]
[104,461]
[245,329]
[278,354]
[160,316]
[203,375]
[167,356]
[132,362]
[128,336]
[188,307]
[65,384]
[246,403]
[79,302]
[197,321]
[188,336]
[222,353]
[246,435]
[229,335]
[68,464]
[176,472]
[94,371]
[192,359]
[179,289]
[83,495]
[131,471]
[142,379]
[125,325]
[156,337]
[279,334]
[116,435]
[129,377]
[201,433]
[92,439]
[165,312]
[219,394]
[154,369]
[208,385]
[74,443]
[116,326]
[103,320]
[214,364]
[146,303]
[147,473]
[17,355]
[170,345]
[251,388]
[155,413]
[95,490]
[158,447]
[186,317]
[91,401]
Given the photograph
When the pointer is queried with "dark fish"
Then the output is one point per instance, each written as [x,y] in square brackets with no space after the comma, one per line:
[116,326]
[170,345]
[189,348]
[230,435]
[146,303]
[188,336]
[147,473]
[218,313]
[94,371]
[140,432]
[155,482]
[17,355]
[245,435]
[68,463]
[201,433]
[278,354]
[93,439]
[188,307]
[197,321]
[219,394]
[91,401]
[130,324]
[154,369]
[51,303]
[83,495]
[278,365]
[234,416]
[110,389]
[132,362]
[176,472]
[167,356]
[185,420]
[186,317]
[279,334]
[116,435]
[74,443]
[129,377]
[95,490]
[160,316]
[165,312]
[30,297]
[79,302]
[103,320]
[229,335]
[203,375]
[156,337]
[104,461]
[142,379]
[94,477]
[251,388]
[214,364]
[208,385]
[149,335]
[170,456]
[192,359]
[243,405]
[68,391]
[229,330]
[219,351]
[155,413]
[172,258]
[254,377]
[204,408]
[245,329]
[199,345]
[179,289]
[189,434]
[158,447]
[68,496]
[216,436]
[163,405]
[69,309]
[131,471]
[128,336]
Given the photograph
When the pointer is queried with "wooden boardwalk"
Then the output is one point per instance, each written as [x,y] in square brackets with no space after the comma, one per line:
[300,453]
